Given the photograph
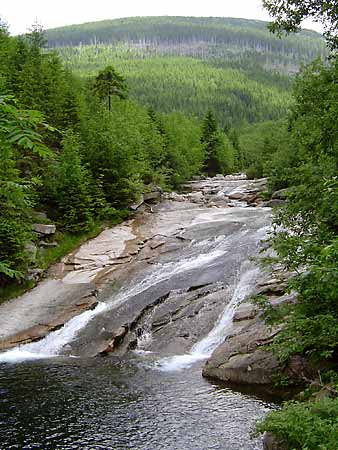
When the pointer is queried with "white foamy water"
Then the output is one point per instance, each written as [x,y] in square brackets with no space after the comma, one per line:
[52,344]
[55,342]
[203,349]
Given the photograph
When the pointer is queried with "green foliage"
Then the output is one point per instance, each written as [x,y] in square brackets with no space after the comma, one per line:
[305,426]
[259,145]
[234,66]
[70,188]
[184,152]
[188,85]
[218,149]
[108,83]
[289,14]
[306,228]
[17,133]
[201,37]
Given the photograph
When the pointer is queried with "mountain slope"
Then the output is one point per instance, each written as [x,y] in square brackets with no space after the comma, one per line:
[189,64]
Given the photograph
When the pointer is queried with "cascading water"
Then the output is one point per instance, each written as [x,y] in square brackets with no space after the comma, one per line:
[122,402]
[56,341]
[203,349]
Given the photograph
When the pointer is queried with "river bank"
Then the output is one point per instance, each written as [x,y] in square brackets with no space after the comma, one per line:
[160,291]
[74,284]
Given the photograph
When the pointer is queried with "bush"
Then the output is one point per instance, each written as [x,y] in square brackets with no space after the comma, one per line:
[305,426]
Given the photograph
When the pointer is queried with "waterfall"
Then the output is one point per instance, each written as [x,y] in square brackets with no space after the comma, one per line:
[203,349]
[53,344]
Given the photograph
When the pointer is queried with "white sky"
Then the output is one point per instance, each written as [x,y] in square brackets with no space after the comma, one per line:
[21,14]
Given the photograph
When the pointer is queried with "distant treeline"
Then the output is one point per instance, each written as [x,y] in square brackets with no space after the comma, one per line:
[165,31]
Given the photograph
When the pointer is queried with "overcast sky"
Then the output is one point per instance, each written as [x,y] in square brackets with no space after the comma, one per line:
[21,14]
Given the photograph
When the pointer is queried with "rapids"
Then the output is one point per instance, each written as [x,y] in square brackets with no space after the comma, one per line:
[162,310]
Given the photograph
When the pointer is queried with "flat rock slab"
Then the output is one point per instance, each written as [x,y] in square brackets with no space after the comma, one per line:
[93,256]
[46,307]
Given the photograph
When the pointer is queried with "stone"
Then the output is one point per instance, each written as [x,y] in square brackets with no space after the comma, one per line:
[31,249]
[118,335]
[236,196]
[137,204]
[34,274]
[152,196]
[196,197]
[241,358]
[272,289]
[270,442]
[48,244]
[245,311]
[282,194]
[44,229]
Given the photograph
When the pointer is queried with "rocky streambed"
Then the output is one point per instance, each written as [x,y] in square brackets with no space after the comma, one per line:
[163,292]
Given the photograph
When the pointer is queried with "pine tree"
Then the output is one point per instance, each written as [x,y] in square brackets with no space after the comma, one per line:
[71,188]
[218,149]
[109,83]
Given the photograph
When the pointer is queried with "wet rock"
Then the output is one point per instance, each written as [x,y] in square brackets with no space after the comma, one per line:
[241,359]
[157,242]
[43,229]
[245,311]
[117,337]
[44,308]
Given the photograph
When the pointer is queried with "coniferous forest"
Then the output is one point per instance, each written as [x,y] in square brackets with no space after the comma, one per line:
[81,149]
[93,115]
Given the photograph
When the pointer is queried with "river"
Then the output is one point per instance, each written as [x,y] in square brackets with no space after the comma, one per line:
[163,311]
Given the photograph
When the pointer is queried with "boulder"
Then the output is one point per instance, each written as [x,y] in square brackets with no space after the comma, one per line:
[236,195]
[31,249]
[241,358]
[137,204]
[44,229]
[270,442]
[196,197]
[152,196]
[245,311]
[282,194]
[274,202]
[34,274]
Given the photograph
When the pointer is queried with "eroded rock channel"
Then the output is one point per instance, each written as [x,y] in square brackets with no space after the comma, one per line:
[162,287]
[157,283]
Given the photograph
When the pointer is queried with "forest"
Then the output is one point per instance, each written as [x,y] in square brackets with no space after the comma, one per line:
[80,152]
[82,137]
[234,66]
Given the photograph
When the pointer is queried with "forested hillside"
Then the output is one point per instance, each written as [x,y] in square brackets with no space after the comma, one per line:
[189,64]
[78,152]
[201,37]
